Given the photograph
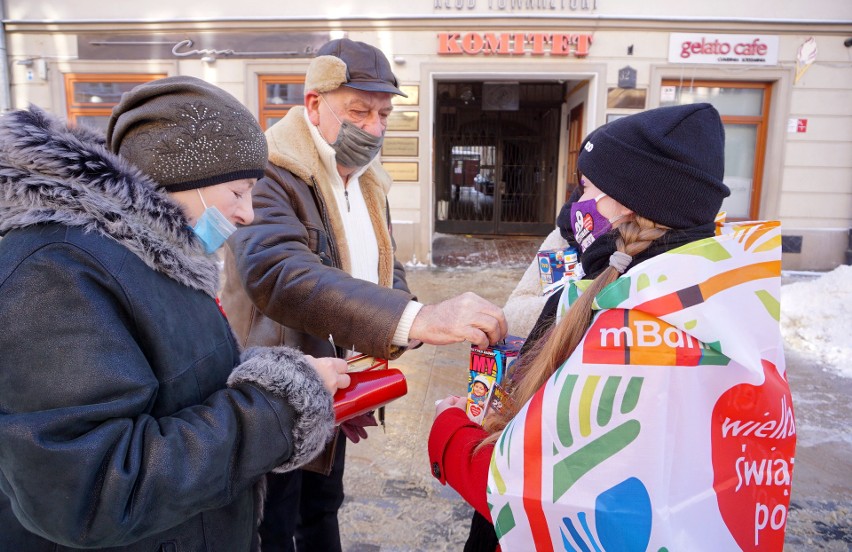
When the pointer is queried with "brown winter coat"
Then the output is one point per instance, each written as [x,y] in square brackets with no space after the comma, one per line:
[287,274]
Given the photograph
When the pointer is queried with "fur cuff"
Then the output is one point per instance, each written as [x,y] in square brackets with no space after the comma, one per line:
[286,374]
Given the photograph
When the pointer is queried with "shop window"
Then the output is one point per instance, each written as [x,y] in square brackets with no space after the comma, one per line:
[278,93]
[744,107]
[91,97]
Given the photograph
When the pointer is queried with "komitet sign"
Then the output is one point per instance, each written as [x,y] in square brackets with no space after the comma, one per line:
[514,44]
[723,49]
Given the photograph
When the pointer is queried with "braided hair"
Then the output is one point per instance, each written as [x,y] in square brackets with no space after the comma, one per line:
[553,349]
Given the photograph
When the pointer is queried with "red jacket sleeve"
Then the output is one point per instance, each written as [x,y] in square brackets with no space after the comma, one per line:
[451,455]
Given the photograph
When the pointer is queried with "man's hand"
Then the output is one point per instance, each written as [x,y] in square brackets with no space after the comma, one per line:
[466,317]
[450,402]
[332,371]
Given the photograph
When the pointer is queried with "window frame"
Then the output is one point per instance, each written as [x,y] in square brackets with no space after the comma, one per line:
[268,110]
[75,109]
[761,122]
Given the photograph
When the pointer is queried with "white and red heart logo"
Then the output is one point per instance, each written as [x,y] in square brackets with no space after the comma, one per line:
[754,443]
[588,222]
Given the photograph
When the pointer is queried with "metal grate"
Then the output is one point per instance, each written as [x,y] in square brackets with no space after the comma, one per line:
[496,169]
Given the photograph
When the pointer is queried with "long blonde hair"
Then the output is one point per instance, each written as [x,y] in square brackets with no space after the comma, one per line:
[635,236]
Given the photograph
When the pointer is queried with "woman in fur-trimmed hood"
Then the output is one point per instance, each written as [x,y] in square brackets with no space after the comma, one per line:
[128,419]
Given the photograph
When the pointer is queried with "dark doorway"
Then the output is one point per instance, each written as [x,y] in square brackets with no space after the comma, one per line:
[496,157]
[575,139]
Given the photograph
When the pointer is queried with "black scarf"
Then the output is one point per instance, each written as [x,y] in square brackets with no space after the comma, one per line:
[595,259]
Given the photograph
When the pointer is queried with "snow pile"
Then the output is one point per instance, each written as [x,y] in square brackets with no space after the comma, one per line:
[816,318]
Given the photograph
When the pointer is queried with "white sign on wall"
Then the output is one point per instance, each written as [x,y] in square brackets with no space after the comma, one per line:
[723,49]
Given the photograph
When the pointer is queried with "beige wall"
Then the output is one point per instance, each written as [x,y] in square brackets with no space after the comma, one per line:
[807,180]
[168,10]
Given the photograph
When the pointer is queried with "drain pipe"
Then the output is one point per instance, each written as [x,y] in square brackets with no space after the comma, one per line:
[5,89]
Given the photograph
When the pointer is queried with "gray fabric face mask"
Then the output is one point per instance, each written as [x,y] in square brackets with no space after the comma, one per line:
[354,148]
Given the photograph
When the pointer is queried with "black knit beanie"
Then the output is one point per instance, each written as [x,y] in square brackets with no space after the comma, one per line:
[186,133]
[664,164]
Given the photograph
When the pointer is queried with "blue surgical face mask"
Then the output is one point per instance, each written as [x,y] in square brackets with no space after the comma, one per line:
[212,227]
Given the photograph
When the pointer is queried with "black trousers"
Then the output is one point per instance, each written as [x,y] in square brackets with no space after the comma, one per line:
[300,512]
[483,537]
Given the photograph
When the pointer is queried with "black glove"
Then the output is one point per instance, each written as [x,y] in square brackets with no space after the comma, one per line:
[564,222]
[353,428]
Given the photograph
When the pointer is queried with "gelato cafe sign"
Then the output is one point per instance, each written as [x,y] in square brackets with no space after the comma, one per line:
[518,5]
[723,49]
[514,44]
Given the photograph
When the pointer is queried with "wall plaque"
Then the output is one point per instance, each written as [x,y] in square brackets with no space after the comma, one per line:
[413,91]
[400,146]
[402,172]
[626,98]
[615,116]
[404,120]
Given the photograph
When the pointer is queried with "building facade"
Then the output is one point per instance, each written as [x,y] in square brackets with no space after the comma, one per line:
[500,92]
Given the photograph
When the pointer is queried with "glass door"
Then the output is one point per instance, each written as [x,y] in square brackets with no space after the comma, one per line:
[495,166]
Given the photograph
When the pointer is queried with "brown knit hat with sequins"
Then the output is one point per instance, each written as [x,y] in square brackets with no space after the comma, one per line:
[185,133]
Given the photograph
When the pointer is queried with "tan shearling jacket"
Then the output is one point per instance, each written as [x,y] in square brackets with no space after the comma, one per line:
[287,275]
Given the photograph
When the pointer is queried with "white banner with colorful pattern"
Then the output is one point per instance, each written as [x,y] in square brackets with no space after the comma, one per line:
[671,426]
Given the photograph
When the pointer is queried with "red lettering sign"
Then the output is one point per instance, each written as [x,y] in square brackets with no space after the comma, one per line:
[583,42]
[514,44]
[498,44]
[537,40]
[472,43]
[448,43]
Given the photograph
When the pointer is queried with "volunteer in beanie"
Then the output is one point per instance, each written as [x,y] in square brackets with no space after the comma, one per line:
[542,470]
[129,420]
[316,268]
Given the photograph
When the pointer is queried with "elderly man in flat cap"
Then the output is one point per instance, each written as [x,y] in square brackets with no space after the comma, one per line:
[316,269]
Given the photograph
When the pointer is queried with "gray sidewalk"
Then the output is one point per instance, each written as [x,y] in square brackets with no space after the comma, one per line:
[393,503]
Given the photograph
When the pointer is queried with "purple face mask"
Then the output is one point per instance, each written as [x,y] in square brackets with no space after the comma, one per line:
[587,222]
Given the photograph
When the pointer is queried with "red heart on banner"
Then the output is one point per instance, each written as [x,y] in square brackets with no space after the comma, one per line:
[754,442]
[475,410]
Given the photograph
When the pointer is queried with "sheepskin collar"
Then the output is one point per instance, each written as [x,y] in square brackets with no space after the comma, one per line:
[292,147]
[53,173]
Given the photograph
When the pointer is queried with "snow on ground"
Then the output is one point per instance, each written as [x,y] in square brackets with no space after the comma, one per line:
[816,318]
